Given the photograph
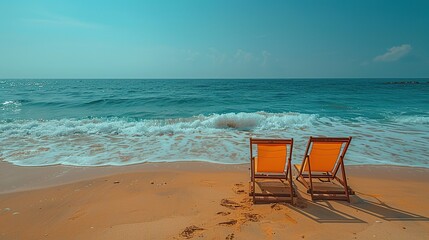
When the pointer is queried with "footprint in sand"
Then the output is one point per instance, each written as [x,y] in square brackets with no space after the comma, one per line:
[246,201]
[190,231]
[228,223]
[230,236]
[252,217]
[223,213]
[239,191]
[238,188]
[230,204]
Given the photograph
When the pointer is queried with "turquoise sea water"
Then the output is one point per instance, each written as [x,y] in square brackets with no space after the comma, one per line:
[121,122]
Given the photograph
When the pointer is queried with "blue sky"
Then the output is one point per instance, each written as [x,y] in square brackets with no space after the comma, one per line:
[214,39]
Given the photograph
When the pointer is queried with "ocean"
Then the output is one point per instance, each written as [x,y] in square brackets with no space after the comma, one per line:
[89,122]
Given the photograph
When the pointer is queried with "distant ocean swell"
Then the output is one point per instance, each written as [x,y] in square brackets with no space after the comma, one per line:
[222,138]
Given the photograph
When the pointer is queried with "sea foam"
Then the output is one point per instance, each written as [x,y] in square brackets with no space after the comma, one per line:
[221,138]
[124,126]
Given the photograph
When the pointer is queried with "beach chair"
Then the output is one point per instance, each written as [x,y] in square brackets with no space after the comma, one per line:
[323,158]
[273,170]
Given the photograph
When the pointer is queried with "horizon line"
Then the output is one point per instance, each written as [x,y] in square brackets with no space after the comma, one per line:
[289,78]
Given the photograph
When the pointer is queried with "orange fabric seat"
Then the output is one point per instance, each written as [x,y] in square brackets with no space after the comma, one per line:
[326,155]
[273,161]
[271,158]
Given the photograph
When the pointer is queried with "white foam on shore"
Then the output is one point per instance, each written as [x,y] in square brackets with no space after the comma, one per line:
[221,138]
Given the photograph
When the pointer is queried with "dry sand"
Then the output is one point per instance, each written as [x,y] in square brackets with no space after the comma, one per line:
[203,201]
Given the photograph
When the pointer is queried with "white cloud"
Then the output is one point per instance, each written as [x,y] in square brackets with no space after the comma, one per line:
[190,55]
[394,53]
[265,57]
[242,56]
[216,56]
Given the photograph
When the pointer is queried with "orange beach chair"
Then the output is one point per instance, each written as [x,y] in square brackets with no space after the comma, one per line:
[323,158]
[273,161]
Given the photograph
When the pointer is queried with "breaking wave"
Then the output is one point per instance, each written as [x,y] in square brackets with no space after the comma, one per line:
[125,126]
[221,138]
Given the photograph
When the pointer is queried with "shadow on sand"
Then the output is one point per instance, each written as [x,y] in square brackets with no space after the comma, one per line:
[383,211]
[323,212]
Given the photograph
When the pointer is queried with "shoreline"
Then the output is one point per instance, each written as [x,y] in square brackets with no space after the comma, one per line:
[186,200]
[24,178]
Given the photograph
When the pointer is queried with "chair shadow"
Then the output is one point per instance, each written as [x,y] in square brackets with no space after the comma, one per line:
[322,211]
[272,186]
[383,211]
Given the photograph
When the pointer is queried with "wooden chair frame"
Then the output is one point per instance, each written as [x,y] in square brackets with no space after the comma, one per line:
[339,164]
[286,175]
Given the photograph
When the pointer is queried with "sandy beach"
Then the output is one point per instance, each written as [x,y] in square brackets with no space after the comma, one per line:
[230,120]
[196,200]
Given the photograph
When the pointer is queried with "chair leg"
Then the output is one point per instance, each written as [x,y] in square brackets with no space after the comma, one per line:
[311,179]
[291,184]
[253,190]
[346,188]
[252,177]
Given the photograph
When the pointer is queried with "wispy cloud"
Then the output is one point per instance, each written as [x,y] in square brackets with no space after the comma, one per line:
[62,21]
[242,56]
[216,56]
[190,55]
[394,53]
[265,56]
